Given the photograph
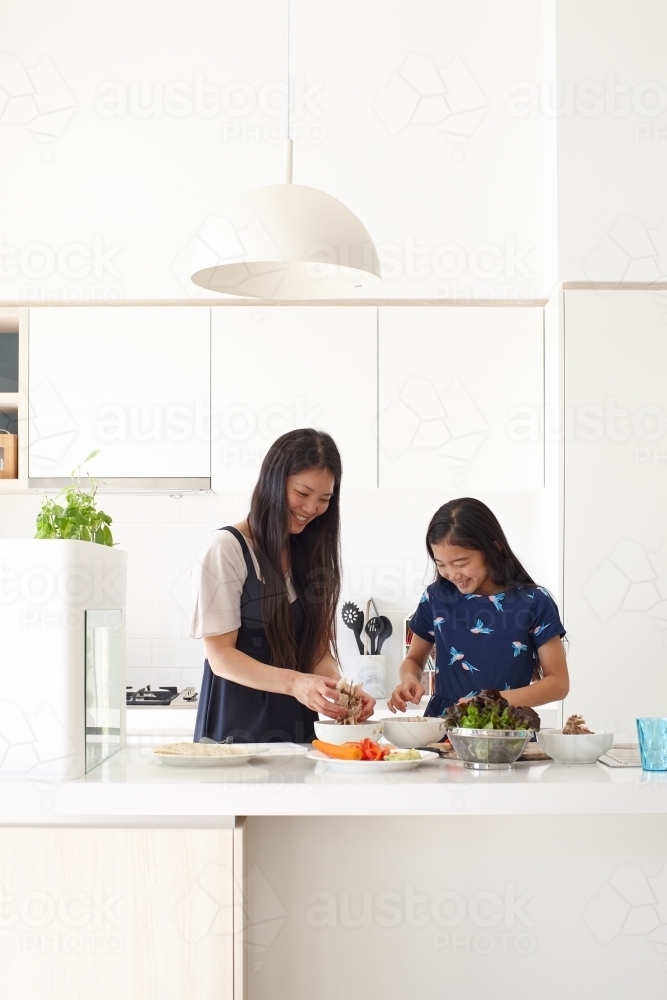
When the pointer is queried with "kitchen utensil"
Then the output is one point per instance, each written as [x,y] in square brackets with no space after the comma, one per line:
[406,732]
[367,641]
[354,619]
[366,766]
[489,749]
[385,633]
[207,739]
[374,629]
[652,743]
[566,749]
[332,732]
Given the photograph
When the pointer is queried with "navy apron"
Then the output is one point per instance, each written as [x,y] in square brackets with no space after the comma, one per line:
[249,716]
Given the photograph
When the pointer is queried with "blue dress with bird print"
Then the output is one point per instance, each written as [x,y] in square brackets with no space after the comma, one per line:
[483,642]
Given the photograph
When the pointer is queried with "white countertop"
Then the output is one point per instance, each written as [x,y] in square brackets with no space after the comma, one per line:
[130,789]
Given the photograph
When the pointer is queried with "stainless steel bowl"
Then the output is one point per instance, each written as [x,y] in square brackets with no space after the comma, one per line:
[489,749]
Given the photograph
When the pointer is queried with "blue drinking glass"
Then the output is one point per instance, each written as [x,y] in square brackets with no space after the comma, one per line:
[652,735]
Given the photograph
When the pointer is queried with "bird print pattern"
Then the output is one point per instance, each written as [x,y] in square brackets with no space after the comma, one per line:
[479,628]
[496,640]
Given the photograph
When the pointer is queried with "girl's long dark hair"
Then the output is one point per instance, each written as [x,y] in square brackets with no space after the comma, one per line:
[470,524]
[314,554]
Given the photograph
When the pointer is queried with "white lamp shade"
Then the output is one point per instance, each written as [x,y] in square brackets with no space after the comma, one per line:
[288,241]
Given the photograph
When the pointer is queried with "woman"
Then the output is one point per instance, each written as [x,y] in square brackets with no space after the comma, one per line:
[266,592]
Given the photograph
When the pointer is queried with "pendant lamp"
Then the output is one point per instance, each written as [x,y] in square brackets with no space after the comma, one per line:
[289,241]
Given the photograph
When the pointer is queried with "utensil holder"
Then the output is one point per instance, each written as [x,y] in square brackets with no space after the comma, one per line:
[372,675]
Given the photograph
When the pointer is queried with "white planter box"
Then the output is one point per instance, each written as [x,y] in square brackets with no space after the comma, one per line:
[62,656]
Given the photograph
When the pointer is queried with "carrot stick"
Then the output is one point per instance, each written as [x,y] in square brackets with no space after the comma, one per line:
[348,751]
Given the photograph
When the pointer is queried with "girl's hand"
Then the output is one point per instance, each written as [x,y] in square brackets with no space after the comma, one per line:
[409,691]
[368,705]
[318,694]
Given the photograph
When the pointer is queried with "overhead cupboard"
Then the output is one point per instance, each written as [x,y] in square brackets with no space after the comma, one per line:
[191,397]
[130,381]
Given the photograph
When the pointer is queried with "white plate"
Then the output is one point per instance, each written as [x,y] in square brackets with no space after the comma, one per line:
[178,761]
[379,766]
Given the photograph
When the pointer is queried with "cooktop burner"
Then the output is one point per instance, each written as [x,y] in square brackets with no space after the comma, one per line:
[161,696]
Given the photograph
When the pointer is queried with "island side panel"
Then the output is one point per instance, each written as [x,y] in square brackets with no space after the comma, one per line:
[408,906]
[110,913]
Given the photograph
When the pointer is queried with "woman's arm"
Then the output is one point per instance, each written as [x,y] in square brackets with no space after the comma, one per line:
[552,686]
[315,691]
[411,671]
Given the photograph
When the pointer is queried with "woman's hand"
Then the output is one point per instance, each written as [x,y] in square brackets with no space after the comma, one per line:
[367,706]
[410,690]
[319,694]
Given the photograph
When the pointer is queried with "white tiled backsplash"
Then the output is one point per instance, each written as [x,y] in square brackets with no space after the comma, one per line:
[383,547]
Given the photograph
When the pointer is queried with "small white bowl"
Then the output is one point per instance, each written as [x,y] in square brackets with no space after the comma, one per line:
[584,749]
[333,732]
[407,733]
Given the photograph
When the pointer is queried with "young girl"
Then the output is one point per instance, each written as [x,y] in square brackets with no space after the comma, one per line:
[491,625]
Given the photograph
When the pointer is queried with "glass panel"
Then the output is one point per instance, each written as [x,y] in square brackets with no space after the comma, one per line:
[103,685]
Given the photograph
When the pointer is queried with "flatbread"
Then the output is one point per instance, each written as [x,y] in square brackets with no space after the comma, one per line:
[198,750]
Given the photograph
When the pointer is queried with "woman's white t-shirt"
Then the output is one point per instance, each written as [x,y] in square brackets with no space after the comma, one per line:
[218,575]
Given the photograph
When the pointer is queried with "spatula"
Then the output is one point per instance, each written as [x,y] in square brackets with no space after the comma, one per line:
[384,634]
[354,619]
[373,630]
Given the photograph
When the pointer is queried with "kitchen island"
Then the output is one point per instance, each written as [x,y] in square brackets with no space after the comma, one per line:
[281,879]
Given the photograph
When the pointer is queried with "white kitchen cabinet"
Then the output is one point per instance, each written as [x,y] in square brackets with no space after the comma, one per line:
[131,381]
[461,398]
[615,561]
[276,369]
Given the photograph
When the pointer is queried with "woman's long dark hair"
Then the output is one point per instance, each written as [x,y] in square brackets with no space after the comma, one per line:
[314,554]
[470,524]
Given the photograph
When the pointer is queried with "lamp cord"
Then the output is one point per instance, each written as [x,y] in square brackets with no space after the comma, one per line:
[289,13]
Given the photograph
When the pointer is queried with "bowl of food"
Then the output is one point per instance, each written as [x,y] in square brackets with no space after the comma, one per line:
[487,732]
[575,743]
[414,731]
[330,731]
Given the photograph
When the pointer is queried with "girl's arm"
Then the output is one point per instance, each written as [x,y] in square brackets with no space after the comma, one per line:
[552,686]
[316,691]
[411,688]
[327,667]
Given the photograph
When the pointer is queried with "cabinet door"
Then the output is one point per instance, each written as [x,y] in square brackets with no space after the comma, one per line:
[461,398]
[615,567]
[130,381]
[278,368]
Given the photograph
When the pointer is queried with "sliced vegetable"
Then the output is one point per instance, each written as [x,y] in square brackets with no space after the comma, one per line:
[372,751]
[348,751]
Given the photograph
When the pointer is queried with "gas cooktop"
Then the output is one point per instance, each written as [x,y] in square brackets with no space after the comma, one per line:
[161,696]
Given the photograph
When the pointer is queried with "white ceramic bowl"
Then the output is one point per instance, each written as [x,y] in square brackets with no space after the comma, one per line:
[583,749]
[407,733]
[332,732]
